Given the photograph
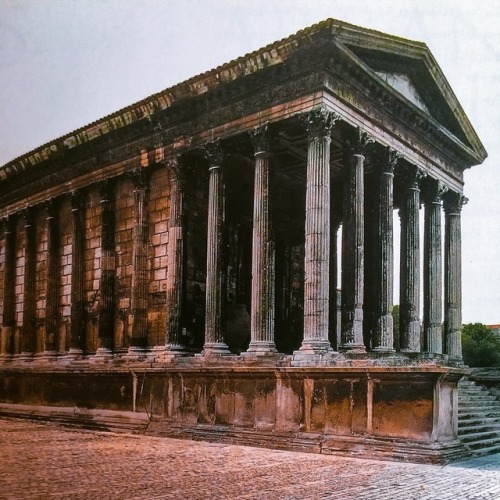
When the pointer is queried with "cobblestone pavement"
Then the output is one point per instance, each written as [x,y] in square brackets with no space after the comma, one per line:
[40,461]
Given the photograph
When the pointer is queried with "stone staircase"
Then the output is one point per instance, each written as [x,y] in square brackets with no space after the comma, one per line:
[478,418]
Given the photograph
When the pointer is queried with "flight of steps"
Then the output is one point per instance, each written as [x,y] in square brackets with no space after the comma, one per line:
[478,418]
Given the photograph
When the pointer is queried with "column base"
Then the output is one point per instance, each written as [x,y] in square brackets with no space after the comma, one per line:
[73,353]
[355,348]
[103,353]
[26,356]
[261,348]
[383,350]
[216,349]
[314,353]
[136,353]
[171,351]
[46,356]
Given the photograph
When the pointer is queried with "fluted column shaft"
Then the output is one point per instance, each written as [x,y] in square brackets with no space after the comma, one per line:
[216,274]
[140,281]
[263,252]
[107,281]
[9,284]
[175,252]
[433,310]
[384,331]
[53,278]
[77,335]
[29,302]
[409,289]
[317,233]
[453,275]
[353,246]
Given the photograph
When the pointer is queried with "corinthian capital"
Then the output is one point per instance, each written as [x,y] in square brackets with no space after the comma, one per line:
[453,202]
[435,191]
[214,153]
[261,138]
[319,122]
[357,141]
[387,160]
[174,167]
[412,176]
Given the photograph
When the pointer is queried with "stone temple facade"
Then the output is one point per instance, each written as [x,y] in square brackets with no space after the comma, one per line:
[177,260]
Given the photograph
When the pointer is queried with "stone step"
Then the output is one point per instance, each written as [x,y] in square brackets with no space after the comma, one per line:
[483,444]
[476,395]
[485,401]
[481,436]
[466,413]
[476,421]
[478,404]
[476,428]
[487,450]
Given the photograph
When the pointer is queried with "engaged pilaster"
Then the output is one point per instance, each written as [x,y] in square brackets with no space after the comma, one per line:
[263,252]
[139,296]
[383,340]
[317,234]
[353,243]
[453,275]
[107,280]
[28,329]
[53,279]
[216,275]
[409,289]
[9,283]
[175,252]
[433,310]
[77,335]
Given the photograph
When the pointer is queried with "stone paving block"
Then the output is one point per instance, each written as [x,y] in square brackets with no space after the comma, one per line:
[40,461]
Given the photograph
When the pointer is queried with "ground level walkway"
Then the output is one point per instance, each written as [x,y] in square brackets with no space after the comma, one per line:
[41,461]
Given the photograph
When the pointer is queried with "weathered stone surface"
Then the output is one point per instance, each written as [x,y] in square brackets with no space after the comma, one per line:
[112,265]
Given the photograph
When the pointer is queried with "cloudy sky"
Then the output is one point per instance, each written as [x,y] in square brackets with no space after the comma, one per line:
[66,63]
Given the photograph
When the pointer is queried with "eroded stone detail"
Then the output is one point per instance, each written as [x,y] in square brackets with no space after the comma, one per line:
[409,290]
[216,274]
[453,274]
[433,321]
[263,251]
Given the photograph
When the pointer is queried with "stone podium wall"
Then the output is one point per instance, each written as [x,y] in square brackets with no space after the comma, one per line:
[379,411]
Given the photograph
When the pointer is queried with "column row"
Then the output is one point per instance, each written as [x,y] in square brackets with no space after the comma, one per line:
[319,264]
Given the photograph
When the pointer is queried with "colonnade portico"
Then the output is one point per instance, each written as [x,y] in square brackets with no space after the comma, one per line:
[357,145]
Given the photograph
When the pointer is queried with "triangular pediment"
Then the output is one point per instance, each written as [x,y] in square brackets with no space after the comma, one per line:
[409,68]
[402,83]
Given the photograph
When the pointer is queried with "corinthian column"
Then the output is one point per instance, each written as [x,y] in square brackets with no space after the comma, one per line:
[9,283]
[453,275]
[383,340]
[409,289]
[77,335]
[216,275]
[53,279]
[317,238]
[108,269]
[353,243]
[140,281]
[175,252]
[28,330]
[433,310]
[263,253]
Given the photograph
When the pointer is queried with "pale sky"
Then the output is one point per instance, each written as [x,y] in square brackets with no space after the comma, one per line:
[66,63]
